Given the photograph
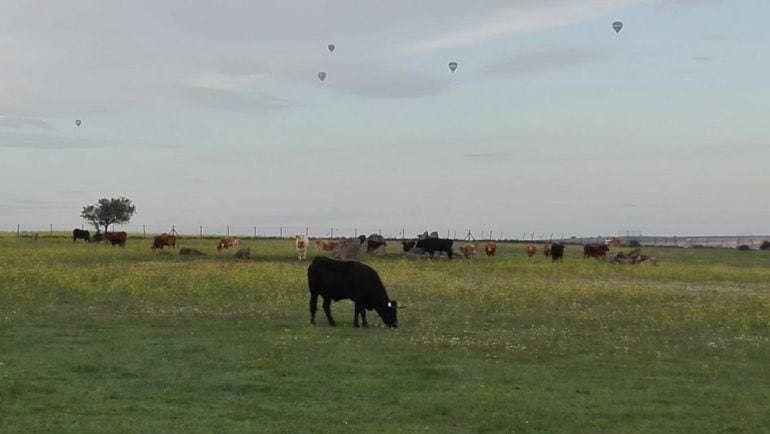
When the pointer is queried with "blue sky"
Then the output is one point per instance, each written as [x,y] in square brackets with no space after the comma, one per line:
[210,113]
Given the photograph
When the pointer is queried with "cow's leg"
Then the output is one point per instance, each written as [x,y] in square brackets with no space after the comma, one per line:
[313,307]
[327,309]
[363,316]
[359,310]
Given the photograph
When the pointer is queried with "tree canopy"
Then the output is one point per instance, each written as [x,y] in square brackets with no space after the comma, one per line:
[106,212]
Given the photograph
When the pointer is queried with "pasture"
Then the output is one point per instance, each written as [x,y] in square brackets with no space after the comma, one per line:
[96,338]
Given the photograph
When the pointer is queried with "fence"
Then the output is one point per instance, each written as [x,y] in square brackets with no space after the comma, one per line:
[254,231]
[318,231]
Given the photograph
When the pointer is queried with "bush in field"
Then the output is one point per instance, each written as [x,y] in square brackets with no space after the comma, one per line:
[744,247]
[765,245]
[634,243]
[106,212]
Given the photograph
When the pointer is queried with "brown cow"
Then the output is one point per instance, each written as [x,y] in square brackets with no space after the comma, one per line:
[547,250]
[227,242]
[531,250]
[118,238]
[326,245]
[595,250]
[164,240]
[468,251]
[491,248]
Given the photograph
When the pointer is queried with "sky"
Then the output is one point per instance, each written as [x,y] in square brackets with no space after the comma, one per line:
[210,113]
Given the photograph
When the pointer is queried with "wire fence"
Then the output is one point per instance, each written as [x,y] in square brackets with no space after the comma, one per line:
[290,231]
[403,233]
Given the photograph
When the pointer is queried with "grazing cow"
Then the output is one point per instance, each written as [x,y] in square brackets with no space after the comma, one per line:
[595,250]
[468,251]
[531,250]
[118,238]
[300,245]
[190,251]
[79,234]
[339,280]
[433,245]
[226,243]
[374,244]
[164,240]
[491,248]
[325,245]
[547,250]
[557,251]
[243,253]
[408,245]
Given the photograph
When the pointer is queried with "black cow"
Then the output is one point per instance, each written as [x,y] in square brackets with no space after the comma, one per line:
[79,234]
[557,251]
[433,245]
[408,245]
[339,280]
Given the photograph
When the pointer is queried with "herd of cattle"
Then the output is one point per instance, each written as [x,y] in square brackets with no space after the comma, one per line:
[425,245]
[340,276]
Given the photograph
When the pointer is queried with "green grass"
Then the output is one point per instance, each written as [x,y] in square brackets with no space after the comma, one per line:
[102,339]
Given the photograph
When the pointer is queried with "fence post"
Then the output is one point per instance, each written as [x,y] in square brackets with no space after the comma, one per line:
[144,231]
[228,230]
[331,233]
[355,233]
[18,230]
[307,230]
[255,232]
[280,232]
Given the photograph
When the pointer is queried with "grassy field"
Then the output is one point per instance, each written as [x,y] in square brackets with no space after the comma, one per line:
[101,339]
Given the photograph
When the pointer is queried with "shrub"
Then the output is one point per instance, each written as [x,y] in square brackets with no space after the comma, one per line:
[744,247]
[634,243]
[765,245]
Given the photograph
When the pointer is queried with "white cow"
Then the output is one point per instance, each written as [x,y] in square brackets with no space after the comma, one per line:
[300,244]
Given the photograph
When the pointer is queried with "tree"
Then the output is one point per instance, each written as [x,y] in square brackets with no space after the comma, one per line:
[106,212]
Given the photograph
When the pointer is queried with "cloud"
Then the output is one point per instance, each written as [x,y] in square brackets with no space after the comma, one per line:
[21,122]
[230,100]
[543,61]
[22,140]
[378,81]
[110,56]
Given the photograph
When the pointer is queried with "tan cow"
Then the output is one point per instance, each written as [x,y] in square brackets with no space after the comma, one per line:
[300,245]
[468,251]
[531,250]
[227,242]
[326,245]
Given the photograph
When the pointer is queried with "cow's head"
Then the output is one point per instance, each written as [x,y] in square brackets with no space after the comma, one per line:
[389,313]
[408,245]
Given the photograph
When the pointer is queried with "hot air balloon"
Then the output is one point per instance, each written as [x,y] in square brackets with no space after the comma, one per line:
[78,122]
[331,48]
[617,25]
[452,66]
[322,76]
